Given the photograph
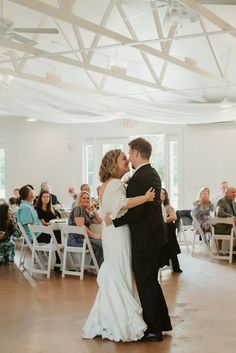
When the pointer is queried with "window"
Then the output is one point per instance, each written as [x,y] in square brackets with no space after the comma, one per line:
[2,173]
[89,163]
[94,151]
[164,159]
[158,153]
[173,173]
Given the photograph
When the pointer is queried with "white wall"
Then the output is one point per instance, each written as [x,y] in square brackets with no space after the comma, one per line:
[209,158]
[41,151]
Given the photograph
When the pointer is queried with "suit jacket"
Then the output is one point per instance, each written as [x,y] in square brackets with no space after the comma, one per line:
[224,210]
[146,220]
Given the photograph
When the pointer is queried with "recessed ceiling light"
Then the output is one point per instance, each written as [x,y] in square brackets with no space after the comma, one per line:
[31,119]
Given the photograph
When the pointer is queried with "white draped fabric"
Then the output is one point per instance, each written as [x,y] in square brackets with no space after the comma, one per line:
[67,106]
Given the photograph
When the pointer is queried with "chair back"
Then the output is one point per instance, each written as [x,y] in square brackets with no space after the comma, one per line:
[65,231]
[226,254]
[27,244]
[184,217]
[25,236]
[34,228]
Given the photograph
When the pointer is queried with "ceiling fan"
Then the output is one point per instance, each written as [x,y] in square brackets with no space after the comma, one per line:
[176,11]
[9,31]
[145,11]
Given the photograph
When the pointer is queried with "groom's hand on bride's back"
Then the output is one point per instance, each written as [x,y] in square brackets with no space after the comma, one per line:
[150,195]
[108,219]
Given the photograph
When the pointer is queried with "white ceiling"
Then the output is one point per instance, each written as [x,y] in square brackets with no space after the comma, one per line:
[68,77]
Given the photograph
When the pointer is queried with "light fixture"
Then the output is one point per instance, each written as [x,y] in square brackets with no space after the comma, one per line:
[31,120]
[225,104]
[178,14]
[118,65]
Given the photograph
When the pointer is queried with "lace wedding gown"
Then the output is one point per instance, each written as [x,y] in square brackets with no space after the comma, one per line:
[116,313]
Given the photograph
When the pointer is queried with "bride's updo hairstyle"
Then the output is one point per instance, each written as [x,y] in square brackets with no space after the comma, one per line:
[108,168]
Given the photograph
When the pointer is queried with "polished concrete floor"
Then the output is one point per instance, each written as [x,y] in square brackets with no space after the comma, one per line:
[45,316]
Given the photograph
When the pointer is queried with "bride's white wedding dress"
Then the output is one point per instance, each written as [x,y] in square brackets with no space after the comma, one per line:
[116,313]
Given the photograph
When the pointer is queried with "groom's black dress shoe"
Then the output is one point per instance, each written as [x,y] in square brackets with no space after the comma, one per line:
[149,336]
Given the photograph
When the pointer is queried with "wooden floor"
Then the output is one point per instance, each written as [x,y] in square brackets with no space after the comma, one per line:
[46,316]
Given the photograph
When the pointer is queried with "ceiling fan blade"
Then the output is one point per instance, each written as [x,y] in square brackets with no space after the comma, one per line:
[21,39]
[36,30]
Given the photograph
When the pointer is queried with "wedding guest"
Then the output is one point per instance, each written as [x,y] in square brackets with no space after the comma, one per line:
[13,204]
[226,207]
[202,209]
[83,202]
[85,187]
[47,187]
[8,230]
[16,195]
[215,198]
[26,213]
[44,208]
[46,213]
[169,215]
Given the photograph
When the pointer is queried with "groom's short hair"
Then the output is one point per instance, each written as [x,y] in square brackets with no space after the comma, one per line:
[142,146]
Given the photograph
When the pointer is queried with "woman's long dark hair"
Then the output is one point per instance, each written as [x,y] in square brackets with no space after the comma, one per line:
[40,204]
[5,223]
[166,201]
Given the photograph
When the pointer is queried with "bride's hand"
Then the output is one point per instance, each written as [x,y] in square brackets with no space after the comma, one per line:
[150,194]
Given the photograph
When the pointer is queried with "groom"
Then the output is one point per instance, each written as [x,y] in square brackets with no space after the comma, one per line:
[148,238]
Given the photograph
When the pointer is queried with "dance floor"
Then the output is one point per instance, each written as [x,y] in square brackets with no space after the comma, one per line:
[46,316]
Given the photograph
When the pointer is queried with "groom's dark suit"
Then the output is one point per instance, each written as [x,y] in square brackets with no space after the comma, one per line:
[148,237]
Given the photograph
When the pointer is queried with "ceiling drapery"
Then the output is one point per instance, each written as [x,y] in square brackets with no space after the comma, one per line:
[115,59]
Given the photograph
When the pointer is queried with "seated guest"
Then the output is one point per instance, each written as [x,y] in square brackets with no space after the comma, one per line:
[26,213]
[13,205]
[226,207]
[202,209]
[8,230]
[83,202]
[44,208]
[16,195]
[215,198]
[55,202]
[46,213]
[83,187]
[169,216]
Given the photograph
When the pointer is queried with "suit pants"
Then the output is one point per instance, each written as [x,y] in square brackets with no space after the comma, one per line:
[155,312]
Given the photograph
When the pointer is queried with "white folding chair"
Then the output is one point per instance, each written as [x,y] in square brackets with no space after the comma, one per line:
[205,237]
[26,245]
[185,226]
[47,250]
[226,253]
[78,261]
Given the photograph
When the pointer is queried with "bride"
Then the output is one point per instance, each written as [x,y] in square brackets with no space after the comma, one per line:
[116,313]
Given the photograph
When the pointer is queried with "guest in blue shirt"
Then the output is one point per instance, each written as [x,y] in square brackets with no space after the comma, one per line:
[26,213]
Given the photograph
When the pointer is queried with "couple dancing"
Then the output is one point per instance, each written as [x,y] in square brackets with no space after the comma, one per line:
[130,305]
